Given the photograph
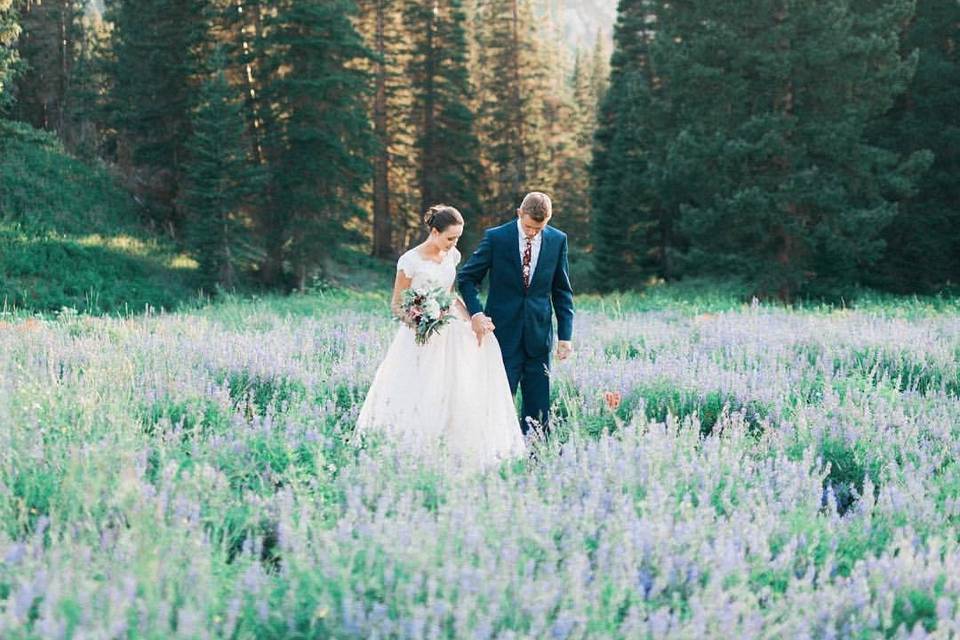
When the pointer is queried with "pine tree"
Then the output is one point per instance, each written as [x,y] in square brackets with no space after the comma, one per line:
[395,193]
[573,184]
[508,101]
[524,104]
[632,225]
[585,100]
[85,102]
[382,218]
[588,82]
[153,75]
[754,136]
[923,240]
[448,168]
[562,168]
[221,182]
[599,68]
[320,145]
[50,45]
[9,32]
[237,35]
[551,140]
[791,194]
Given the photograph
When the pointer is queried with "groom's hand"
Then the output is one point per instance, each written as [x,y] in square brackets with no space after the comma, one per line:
[564,349]
[482,325]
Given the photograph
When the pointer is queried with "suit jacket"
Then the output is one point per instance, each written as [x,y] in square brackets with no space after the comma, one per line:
[522,316]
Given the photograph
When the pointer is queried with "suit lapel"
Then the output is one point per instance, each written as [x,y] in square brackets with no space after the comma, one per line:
[513,238]
[546,246]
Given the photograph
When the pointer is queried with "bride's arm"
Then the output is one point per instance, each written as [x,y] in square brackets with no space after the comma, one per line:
[458,308]
[401,284]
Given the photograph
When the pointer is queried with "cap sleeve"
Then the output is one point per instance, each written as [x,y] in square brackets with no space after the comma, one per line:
[406,263]
[456,256]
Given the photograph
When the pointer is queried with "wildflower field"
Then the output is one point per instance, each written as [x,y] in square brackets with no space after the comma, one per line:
[716,469]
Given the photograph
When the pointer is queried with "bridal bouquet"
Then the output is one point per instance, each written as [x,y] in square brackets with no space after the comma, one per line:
[426,310]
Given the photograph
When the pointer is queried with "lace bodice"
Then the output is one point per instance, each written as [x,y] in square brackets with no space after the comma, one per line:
[427,273]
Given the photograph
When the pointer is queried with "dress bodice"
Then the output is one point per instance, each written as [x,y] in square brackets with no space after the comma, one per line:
[427,273]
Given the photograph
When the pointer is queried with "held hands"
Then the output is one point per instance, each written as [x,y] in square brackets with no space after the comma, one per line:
[482,325]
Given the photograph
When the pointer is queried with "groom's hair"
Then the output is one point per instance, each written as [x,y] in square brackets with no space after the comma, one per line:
[537,205]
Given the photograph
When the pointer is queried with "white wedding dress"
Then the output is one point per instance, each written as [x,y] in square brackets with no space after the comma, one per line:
[449,393]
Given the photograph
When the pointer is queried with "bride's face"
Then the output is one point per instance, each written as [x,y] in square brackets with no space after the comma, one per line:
[447,239]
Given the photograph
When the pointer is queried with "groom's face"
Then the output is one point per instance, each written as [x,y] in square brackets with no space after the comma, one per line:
[530,226]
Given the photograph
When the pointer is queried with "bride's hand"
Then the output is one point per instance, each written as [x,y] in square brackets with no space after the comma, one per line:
[482,325]
[400,315]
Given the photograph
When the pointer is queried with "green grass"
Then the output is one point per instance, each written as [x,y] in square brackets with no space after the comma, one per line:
[91,274]
[70,236]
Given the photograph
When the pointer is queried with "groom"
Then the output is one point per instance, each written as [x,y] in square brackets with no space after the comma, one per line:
[527,263]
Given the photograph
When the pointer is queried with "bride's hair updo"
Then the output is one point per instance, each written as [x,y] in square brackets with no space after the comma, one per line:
[441,216]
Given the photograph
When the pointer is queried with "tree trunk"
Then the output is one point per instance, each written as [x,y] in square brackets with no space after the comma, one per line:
[249,79]
[666,232]
[382,223]
[520,162]
[785,104]
[428,167]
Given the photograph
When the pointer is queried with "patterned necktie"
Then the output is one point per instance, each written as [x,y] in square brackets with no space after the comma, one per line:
[527,254]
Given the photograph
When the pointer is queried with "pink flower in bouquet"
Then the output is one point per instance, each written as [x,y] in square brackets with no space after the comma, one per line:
[426,311]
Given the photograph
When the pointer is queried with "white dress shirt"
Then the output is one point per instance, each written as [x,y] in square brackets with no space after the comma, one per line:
[534,248]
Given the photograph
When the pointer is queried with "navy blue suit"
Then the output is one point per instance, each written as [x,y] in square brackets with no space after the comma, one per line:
[522,316]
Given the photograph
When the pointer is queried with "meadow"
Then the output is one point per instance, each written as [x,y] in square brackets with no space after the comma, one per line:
[716,469]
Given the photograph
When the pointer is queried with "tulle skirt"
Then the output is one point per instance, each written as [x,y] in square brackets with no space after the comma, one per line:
[447,397]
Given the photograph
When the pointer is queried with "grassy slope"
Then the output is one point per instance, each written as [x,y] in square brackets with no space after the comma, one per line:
[69,236]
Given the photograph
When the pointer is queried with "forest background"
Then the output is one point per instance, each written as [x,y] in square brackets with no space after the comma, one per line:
[788,150]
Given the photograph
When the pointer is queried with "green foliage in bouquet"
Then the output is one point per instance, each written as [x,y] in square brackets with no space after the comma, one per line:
[426,311]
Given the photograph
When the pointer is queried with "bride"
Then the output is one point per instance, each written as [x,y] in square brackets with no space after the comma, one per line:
[452,392]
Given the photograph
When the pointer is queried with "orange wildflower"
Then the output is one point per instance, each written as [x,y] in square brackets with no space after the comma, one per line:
[612,398]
